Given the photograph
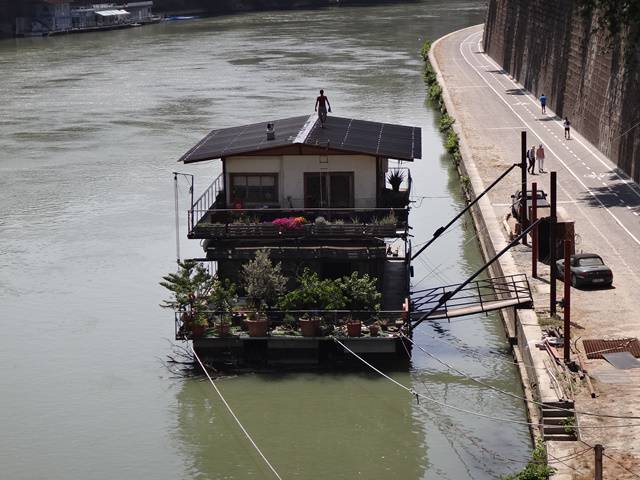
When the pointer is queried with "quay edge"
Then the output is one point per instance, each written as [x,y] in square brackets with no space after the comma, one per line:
[521,325]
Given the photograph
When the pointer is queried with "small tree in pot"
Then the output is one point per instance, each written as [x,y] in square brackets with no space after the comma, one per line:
[191,287]
[264,283]
[395,179]
[362,296]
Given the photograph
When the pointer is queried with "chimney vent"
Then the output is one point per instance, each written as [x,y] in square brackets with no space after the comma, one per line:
[271,133]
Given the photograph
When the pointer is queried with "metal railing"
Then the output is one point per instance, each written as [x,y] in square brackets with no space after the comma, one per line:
[478,292]
[206,201]
[345,215]
[396,320]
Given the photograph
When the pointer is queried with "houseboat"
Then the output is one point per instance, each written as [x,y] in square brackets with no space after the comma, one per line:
[327,201]
[54,17]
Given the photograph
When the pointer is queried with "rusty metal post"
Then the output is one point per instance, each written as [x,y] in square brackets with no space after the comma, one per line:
[598,449]
[523,184]
[567,300]
[552,247]
[534,232]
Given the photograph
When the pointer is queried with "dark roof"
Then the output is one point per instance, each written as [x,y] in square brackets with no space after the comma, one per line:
[340,134]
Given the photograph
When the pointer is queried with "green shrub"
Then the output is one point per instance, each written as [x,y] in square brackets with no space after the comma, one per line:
[452,143]
[446,122]
[361,292]
[313,294]
[424,51]
[263,281]
[536,469]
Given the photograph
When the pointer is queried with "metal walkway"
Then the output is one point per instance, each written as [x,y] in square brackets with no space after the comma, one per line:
[479,296]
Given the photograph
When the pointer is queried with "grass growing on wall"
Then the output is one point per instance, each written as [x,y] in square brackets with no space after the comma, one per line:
[434,93]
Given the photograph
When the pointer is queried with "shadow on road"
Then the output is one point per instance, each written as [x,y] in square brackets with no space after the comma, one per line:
[515,91]
[614,194]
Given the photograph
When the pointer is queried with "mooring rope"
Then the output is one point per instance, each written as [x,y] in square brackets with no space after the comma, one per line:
[234,416]
[513,395]
[470,412]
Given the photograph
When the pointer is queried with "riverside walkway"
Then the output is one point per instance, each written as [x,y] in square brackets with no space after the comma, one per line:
[491,109]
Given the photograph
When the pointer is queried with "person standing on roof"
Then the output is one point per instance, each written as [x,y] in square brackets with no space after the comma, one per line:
[322,103]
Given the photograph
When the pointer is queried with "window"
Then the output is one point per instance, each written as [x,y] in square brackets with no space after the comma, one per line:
[328,190]
[257,188]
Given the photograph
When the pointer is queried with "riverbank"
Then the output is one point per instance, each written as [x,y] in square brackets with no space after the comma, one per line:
[490,110]
[522,325]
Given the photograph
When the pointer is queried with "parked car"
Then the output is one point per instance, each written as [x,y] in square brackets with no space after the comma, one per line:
[587,269]
[516,200]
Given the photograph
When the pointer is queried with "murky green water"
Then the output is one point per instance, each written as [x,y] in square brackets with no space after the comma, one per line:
[90,129]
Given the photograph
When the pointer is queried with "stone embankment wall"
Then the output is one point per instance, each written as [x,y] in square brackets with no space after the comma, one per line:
[552,47]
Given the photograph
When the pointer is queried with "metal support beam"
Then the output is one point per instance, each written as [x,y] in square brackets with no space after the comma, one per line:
[567,300]
[552,247]
[534,233]
[598,449]
[441,230]
[523,182]
[448,295]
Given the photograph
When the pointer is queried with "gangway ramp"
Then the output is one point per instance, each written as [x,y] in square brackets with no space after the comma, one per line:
[478,296]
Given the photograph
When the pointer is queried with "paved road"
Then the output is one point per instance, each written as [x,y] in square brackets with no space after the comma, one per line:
[491,109]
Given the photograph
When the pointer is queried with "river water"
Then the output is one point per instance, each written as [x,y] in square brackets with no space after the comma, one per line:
[90,129]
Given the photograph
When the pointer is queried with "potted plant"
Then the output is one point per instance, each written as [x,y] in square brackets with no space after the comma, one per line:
[222,299]
[362,297]
[264,283]
[395,179]
[374,329]
[312,293]
[309,325]
[190,286]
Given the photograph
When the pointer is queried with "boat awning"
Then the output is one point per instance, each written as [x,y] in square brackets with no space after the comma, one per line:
[112,13]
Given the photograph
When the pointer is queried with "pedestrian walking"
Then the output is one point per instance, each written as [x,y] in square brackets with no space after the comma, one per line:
[543,103]
[567,128]
[540,158]
[531,156]
[321,107]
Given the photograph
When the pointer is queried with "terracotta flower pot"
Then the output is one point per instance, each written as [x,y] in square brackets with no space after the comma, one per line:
[374,330]
[197,331]
[224,329]
[354,329]
[257,328]
[310,327]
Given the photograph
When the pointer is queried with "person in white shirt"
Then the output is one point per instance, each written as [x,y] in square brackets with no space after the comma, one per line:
[540,158]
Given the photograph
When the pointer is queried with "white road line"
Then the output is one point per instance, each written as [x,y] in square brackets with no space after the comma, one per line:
[630,183]
[635,239]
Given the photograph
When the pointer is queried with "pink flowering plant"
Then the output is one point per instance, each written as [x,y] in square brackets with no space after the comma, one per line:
[290,223]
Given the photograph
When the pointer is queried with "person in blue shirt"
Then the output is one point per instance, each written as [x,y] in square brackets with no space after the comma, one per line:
[543,103]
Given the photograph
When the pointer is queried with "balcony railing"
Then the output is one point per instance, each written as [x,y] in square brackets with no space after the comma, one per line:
[214,194]
[286,323]
[314,222]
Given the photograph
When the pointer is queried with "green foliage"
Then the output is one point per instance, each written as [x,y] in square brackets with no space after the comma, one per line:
[536,469]
[389,219]
[614,16]
[446,122]
[435,93]
[196,291]
[190,284]
[313,294]
[263,281]
[361,292]
[569,425]
[424,51]
[452,143]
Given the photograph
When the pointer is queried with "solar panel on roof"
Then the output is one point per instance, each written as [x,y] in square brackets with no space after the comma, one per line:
[349,135]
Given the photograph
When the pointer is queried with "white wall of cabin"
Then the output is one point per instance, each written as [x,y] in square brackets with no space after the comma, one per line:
[291,170]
